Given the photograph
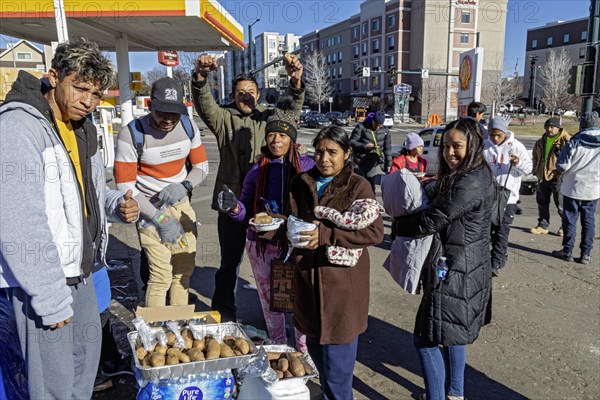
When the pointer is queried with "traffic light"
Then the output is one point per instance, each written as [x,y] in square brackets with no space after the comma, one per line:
[360,71]
[575,78]
[392,71]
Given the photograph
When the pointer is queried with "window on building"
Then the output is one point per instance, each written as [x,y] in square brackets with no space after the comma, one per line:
[584,35]
[375,81]
[566,38]
[582,52]
[355,84]
[312,46]
[365,27]
[391,21]
[375,25]
[376,46]
[23,56]
[271,43]
[339,72]
[549,41]
[328,58]
[334,58]
[355,32]
[355,52]
[534,44]
[340,56]
[375,62]
[355,68]
[464,38]
[339,39]
[391,61]
[364,49]
[465,17]
[391,42]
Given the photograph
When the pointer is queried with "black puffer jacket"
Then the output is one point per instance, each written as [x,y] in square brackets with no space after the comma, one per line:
[365,159]
[452,311]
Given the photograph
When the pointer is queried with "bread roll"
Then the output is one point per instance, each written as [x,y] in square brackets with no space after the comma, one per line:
[263,219]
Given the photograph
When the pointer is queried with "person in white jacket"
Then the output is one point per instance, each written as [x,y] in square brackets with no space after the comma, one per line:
[509,161]
[579,161]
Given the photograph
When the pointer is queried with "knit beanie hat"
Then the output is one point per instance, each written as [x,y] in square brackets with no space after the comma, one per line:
[589,120]
[413,141]
[552,122]
[283,119]
[499,123]
[379,117]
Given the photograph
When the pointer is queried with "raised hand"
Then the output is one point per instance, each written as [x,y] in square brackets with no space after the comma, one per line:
[226,199]
[129,208]
[205,64]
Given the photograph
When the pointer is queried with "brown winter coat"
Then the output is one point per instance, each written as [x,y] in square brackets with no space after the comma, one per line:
[332,302]
[545,170]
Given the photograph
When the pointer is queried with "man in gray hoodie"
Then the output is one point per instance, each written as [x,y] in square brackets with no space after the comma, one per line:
[54,209]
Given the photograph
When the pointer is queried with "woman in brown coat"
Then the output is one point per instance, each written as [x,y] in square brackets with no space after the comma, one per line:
[332,301]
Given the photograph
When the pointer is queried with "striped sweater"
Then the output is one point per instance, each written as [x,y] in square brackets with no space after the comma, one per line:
[162,162]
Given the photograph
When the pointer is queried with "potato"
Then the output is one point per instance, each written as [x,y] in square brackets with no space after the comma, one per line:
[160,349]
[171,338]
[237,352]
[195,355]
[279,374]
[263,218]
[271,355]
[172,359]
[242,345]
[184,358]
[157,360]
[229,341]
[307,368]
[226,351]
[146,361]
[288,374]
[283,364]
[198,344]
[173,350]
[296,366]
[140,352]
[187,333]
[188,343]
[213,349]
[274,364]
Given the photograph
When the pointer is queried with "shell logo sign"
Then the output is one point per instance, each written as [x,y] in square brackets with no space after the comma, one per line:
[465,73]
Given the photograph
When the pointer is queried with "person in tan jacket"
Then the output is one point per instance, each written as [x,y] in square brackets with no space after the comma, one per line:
[545,154]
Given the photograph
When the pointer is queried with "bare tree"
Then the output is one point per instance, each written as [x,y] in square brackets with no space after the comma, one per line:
[430,93]
[501,89]
[149,77]
[554,81]
[318,88]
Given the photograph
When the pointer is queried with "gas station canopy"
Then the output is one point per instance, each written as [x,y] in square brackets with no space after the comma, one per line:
[150,25]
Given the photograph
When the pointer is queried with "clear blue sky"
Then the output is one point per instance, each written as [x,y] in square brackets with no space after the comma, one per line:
[303,16]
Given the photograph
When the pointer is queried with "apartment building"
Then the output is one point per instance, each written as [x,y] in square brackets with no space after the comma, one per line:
[411,36]
[569,35]
[266,47]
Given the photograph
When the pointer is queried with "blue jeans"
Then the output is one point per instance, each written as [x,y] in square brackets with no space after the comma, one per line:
[335,363]
[572,209]
[443,369]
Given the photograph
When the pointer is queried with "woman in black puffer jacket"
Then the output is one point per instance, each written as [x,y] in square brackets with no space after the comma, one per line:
[453,309]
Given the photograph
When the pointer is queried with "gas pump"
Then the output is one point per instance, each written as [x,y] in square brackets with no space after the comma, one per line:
[103,117]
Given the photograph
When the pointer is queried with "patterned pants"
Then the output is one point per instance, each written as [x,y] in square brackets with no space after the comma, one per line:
[261,269]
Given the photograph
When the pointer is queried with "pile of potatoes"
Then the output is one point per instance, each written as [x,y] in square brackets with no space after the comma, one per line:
[289,365]
[207,348]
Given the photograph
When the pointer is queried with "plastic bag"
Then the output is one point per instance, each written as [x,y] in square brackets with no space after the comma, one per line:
[296,225]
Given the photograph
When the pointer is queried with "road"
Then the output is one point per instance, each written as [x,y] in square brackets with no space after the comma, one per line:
[543,342]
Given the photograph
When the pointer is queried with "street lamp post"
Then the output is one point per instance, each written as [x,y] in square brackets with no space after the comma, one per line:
[250,46]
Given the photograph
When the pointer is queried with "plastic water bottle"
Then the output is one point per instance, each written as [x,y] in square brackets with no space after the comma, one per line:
[441,268]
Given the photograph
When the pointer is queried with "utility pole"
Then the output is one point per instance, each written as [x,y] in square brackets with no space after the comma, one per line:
[250,46]
[591,58]
[532,74]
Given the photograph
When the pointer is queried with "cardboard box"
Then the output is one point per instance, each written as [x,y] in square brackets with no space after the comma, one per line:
[168,313]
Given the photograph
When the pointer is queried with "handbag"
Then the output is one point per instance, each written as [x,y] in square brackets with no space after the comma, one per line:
[500,201]
[282,286]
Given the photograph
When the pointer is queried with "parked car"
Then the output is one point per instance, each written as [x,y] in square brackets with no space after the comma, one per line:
[570,113]
[317,121]
[337,118]
[389,121]
[432,139]
[528,110]
[506,108]
[307,115]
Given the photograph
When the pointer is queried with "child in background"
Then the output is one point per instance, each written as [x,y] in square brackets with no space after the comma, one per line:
[410,156]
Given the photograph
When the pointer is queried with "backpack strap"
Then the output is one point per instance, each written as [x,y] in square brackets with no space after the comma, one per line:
[187,126]
[137,138]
